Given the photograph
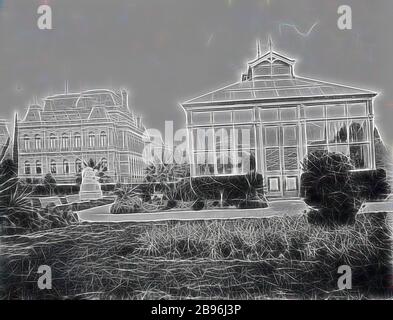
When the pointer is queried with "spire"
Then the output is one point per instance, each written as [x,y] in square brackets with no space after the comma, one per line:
[66,87]
[258,48]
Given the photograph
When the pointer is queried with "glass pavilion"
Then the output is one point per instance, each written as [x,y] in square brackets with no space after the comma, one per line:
[272,118]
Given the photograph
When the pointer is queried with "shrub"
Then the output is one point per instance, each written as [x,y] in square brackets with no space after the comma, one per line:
[372,184]
[171,204]
[198,205]
[222,188]
[252,204]
[327,184]
[129,200]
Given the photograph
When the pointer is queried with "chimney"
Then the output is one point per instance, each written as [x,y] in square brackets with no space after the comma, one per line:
[124,99]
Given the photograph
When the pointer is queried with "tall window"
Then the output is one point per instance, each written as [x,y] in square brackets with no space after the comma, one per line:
[52,141]
[103,139]
[26,142]
[27,167]
[91,139]
[64,141]
[78,165]
[37,140]
[53,168]
[77,140]
[66,167]
[345,130]
[38,167]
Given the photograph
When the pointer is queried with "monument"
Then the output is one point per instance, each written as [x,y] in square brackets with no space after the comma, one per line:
[90,188]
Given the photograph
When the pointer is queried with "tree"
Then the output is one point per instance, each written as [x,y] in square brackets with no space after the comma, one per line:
[49,183]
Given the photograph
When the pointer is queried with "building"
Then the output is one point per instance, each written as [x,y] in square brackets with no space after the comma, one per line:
[4,133]
[272,118]
[72,128]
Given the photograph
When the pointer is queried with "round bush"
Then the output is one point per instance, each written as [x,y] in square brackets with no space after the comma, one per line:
[198,205]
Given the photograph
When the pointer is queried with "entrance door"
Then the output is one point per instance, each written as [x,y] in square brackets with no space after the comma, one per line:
[281,159]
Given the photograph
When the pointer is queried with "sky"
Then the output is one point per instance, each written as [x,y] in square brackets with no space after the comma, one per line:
[168,51]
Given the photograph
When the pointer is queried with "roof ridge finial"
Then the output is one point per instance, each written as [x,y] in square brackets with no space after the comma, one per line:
[258,48]
[270,43]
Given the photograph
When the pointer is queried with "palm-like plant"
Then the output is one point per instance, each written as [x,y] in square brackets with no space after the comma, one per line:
[129,200]
[98,167]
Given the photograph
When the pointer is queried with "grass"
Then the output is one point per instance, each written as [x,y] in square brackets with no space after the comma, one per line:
[281,257]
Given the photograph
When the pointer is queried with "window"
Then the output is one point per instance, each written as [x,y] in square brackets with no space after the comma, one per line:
[77,140]
[91,139]
[338,132]
[37,142]
[38,167]
[26,142]
[316,132]
[274,184]
[222,117]
[358,131]
[78,165]
[64,141]
[271,136]
[272,156]
[290,158]
[201,117]
[27,167]
[357,110]
[269,114]
[288,114]
[290,136]
[204,162]
[314,112]
[53,168]
[291,184]
[335,111]
[359,155]
[52,141]
[203,139]
[243,115]
[339,148]
[66,167]
[245,137]
[103,139]
[223,138]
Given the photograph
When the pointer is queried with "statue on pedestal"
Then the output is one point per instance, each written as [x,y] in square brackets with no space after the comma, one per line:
[90,188]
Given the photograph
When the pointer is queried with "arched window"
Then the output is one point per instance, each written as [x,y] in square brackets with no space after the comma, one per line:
[26,142]
[38,167]
[77,140]
[53,168]
[64,141]
[91,139]
[66,167]
[37,140]
[52,141]
[103,139]
[78,165]
[27,167]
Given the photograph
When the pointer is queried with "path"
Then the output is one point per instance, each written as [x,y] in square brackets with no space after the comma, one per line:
[276,208]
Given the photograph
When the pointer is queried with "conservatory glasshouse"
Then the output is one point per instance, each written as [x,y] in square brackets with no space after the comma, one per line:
[272,118]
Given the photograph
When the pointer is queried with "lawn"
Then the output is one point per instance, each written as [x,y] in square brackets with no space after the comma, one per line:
[280,257]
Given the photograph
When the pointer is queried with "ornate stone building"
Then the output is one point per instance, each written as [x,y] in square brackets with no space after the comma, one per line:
[272,118]
[4,133]
[75,127]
